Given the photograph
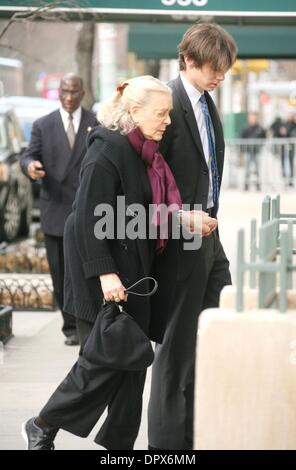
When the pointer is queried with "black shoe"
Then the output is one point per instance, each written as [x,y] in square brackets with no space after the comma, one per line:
[72,341]
[37,438]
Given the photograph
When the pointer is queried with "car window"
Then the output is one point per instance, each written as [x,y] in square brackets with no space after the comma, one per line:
[17,128]
[14,137]
[3,135]
[26,125]
[27,128]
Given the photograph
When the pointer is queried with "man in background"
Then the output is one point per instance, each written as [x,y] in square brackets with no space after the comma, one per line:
[287,130]
[252,149]
[54,156]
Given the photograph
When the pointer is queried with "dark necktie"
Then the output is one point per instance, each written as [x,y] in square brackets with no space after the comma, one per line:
[211,141]
[71,132]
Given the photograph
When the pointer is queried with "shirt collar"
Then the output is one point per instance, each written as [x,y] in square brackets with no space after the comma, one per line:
[192,92]
[65,115]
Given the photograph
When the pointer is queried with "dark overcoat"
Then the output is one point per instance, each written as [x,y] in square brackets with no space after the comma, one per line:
[111,168]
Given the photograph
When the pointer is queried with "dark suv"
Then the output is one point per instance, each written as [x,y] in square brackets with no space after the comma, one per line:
[15,188]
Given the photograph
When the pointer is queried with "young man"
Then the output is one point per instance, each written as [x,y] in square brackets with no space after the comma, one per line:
[54,155]
[194,148]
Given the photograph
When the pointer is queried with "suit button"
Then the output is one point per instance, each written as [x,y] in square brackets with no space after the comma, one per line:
[205,172]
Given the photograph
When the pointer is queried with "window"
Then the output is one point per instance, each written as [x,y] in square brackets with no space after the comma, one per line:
[3,134]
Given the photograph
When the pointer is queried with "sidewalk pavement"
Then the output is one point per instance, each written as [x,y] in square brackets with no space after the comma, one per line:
[34,363]
[35,360]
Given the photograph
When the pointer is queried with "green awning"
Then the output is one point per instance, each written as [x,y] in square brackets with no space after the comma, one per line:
[246,12]
[150,41]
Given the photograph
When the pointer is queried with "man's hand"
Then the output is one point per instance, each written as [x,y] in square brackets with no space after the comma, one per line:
[35,170]
[212,223]
[199,222]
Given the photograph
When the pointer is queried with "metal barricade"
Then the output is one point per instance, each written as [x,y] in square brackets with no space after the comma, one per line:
[271,265]
[259,164]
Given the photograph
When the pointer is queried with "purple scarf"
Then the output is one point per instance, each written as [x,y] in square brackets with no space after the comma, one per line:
[162,182]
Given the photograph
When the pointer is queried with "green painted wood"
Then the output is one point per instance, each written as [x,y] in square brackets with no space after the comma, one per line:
[268,242]
[284,259]
[253,252]
[240,271]
[265,209]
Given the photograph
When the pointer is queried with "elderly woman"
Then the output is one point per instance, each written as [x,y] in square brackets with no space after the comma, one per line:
[122,160]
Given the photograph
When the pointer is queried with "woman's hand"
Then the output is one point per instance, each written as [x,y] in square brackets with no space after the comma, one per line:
[112,288]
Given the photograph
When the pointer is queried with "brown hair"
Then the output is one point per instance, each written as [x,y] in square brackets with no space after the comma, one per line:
[207,43]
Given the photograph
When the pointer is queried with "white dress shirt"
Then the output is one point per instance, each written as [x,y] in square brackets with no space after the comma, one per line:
[194,96]
[76,118]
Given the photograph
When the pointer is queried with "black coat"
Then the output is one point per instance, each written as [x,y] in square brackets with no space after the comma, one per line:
[49,144]
[111,168]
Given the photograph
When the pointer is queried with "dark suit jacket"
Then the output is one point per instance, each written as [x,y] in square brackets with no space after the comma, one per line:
[49,144]
[182,147]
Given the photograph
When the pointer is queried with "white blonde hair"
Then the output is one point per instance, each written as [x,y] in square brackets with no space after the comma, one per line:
[114,113]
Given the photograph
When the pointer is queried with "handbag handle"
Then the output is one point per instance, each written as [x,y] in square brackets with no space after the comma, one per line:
[128,291]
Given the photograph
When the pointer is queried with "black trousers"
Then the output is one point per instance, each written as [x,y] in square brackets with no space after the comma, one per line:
[251,159]
[80,400]
[83,330]
[170,410]
[287,157]
[55,256]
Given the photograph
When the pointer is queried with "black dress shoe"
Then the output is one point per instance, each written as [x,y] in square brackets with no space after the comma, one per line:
[37,438]
[71,341]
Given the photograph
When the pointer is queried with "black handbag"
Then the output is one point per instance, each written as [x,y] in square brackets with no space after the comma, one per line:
[116,340]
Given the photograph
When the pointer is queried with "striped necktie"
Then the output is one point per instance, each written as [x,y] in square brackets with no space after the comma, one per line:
[71,132]
[211,141]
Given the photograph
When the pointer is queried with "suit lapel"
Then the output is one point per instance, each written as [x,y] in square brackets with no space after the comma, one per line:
[62,157]
[188,114]
[218,131]
[79,145]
